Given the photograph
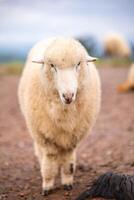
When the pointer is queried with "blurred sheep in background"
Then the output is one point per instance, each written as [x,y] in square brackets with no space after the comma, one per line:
[116,45]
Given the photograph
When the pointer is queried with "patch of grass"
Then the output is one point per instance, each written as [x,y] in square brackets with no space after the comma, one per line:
[12,68]
[113,62]
[16,67]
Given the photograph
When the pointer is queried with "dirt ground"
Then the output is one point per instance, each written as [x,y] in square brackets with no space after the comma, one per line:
[110,146]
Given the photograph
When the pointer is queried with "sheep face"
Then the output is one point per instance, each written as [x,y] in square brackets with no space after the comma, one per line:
[61,79]
[66,82]
[63,67]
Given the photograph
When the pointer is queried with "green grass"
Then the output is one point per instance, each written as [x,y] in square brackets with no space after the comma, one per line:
[113,62]
[12,68]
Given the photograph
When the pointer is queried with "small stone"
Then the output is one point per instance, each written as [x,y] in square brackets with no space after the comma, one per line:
[66,193]
[21,194]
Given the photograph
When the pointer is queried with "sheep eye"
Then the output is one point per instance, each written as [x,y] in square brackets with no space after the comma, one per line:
[78,64]
[52,66]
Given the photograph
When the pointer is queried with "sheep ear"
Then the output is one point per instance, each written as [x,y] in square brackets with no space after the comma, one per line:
[38,60]
[91,59]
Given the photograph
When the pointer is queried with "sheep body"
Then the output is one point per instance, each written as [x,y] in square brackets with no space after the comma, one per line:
[115,45]
[57,128]
[129,83]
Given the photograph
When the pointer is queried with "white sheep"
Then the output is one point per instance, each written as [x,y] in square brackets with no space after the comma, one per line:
[116,45]
[59,95]
[129,83]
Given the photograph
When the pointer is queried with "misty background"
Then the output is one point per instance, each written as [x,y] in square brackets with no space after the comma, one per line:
[24,22]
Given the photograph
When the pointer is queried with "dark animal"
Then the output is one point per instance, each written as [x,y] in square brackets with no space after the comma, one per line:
[111,186]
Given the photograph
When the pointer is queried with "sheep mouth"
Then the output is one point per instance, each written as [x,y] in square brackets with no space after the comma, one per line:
[68,101]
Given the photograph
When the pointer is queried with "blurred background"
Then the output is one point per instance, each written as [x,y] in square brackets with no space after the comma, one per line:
[23,23]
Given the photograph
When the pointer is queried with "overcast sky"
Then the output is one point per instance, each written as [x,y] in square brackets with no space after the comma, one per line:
[27,21]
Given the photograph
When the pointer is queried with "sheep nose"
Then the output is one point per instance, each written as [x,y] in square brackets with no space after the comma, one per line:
[68,97]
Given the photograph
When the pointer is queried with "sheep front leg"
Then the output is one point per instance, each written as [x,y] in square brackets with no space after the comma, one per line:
[67,170]
[49,170]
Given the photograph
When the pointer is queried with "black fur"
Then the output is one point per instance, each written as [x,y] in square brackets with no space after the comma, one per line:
[111,186]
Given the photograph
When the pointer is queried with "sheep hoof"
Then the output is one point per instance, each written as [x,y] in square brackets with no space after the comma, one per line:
[46,192]
[68,187]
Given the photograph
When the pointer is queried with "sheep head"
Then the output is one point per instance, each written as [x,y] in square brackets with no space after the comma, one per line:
[63,65]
